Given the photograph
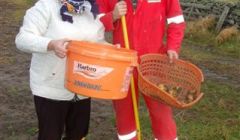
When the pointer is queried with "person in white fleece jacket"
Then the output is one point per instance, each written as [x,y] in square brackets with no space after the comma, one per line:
[47,28]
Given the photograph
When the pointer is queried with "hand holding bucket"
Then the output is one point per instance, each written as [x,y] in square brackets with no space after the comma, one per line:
[59,47]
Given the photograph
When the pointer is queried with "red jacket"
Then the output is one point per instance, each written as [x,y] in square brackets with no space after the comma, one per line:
[147,24]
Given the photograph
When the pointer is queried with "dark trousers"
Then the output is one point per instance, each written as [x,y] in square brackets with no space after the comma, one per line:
[56,116]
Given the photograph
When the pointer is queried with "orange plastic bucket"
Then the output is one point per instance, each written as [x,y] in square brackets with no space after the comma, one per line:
[99,70]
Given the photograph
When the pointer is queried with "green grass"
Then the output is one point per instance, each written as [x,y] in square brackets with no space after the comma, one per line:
[21,5]
[215,117]
[145,125]
[229,48]
[22,2]
[206,38]
[32,131]
[228,1]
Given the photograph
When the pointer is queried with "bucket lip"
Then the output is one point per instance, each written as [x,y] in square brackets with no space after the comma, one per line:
[109,52]
[106,47]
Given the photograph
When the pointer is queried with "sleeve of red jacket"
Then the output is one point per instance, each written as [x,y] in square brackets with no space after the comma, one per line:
[176,25]
[105,14]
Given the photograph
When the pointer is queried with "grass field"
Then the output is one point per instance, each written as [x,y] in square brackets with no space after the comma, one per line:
[228,0]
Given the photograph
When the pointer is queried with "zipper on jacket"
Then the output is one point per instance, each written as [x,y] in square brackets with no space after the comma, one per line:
[134,5]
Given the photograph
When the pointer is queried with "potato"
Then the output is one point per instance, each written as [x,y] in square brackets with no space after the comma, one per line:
[180,94]
[190,97]
[162,87]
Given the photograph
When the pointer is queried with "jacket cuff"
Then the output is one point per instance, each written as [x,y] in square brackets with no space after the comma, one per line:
[107,21]
[43,45]
[176,49]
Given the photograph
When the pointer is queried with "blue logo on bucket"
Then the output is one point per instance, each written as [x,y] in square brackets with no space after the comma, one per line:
[87,85]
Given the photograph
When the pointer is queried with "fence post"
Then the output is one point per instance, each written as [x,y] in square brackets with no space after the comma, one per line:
[222,19]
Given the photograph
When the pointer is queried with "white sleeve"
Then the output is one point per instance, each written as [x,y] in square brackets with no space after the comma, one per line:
[30,37]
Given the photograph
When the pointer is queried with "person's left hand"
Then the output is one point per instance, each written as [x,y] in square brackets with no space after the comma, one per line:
[172,55]
[59,47]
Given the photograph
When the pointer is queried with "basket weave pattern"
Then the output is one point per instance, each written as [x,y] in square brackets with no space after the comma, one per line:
[155,69]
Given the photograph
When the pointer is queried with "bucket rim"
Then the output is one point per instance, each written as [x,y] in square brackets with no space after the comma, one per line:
[107,47]
[103,51]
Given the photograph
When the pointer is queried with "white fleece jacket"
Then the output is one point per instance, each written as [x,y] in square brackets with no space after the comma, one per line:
[41,24]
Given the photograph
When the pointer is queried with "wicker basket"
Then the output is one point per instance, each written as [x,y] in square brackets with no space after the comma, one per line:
[155,69]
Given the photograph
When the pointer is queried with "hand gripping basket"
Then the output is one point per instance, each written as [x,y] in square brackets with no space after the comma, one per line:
[155,69]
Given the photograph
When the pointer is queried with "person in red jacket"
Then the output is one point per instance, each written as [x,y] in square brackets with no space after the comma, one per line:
[147,25]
